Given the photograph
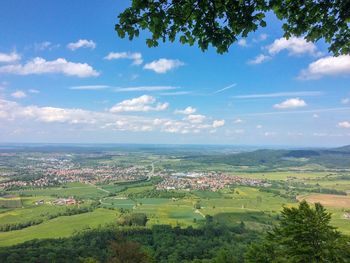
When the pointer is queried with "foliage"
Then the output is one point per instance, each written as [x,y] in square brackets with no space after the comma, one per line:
[132,219]
[158,194]
[303,235]
[122,251]
[162,243]
[221,22]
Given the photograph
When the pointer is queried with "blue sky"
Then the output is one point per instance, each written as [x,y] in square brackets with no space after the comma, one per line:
[65,76]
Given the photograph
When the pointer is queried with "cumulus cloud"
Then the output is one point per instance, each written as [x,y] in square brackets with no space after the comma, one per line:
[11,112]
[218,123]
[186,111]
[41,66]
[268,134]
[294,45]
[195,118]
[135,57]
[9,57]
[143,103]
[19,94]
[291,104]
[242,42]
[344,124]
[163,65]
[259,59]
[345,101]
[81,43]
[46,45]
[261,37]
[34,91]
[238,120]
[327,66]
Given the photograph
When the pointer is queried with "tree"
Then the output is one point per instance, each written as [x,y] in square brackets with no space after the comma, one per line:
[123,251]
[221,22]
[132,219]
[303,235]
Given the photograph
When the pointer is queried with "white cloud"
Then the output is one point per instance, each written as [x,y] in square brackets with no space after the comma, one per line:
[344,124]
[259,59]
[10,57]
[175,93]
[81,43]
[45,45]
[259,126]
[89,87]
[143,103]
[19,94]
[268,134]
[291,104]
[41,66]
[279,94]
[294,45]
[34,91]
[315,116]
[186,111]
[195,118]
[239,131]
[345,101]
[242,42]
[262,37]
[145,88]
[163,65]
[237,121]
[135,57]
[327,66]
[218,123]
[11,111]
[225,88]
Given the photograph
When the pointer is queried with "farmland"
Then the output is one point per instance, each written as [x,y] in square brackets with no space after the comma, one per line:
[174,188]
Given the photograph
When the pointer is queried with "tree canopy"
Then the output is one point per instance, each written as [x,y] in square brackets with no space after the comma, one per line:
[303,235]
[220,23]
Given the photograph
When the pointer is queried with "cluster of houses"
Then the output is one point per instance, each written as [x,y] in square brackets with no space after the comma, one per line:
[58,176]
[98,174]
[59,201]
[65,201]
[212,181]
[41,182]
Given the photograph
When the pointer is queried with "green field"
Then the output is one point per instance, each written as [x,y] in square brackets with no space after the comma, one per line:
[59,227]
[257,208]
[10,202]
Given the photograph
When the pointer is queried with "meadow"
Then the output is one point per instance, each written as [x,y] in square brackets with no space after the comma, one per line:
[59,227]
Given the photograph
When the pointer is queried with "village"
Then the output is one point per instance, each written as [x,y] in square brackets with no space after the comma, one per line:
[61,175]
[213,181]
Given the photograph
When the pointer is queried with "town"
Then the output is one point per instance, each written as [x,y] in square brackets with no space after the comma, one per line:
[206,181]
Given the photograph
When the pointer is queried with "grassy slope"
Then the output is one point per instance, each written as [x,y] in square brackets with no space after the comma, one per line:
[59,227]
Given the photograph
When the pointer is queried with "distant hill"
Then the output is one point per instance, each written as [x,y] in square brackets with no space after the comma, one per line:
[343,149]
[271,159]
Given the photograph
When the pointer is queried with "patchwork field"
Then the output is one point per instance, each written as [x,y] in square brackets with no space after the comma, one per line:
[328,200]
[78,190]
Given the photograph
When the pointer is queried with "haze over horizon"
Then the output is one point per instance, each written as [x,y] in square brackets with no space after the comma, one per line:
[73,80]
